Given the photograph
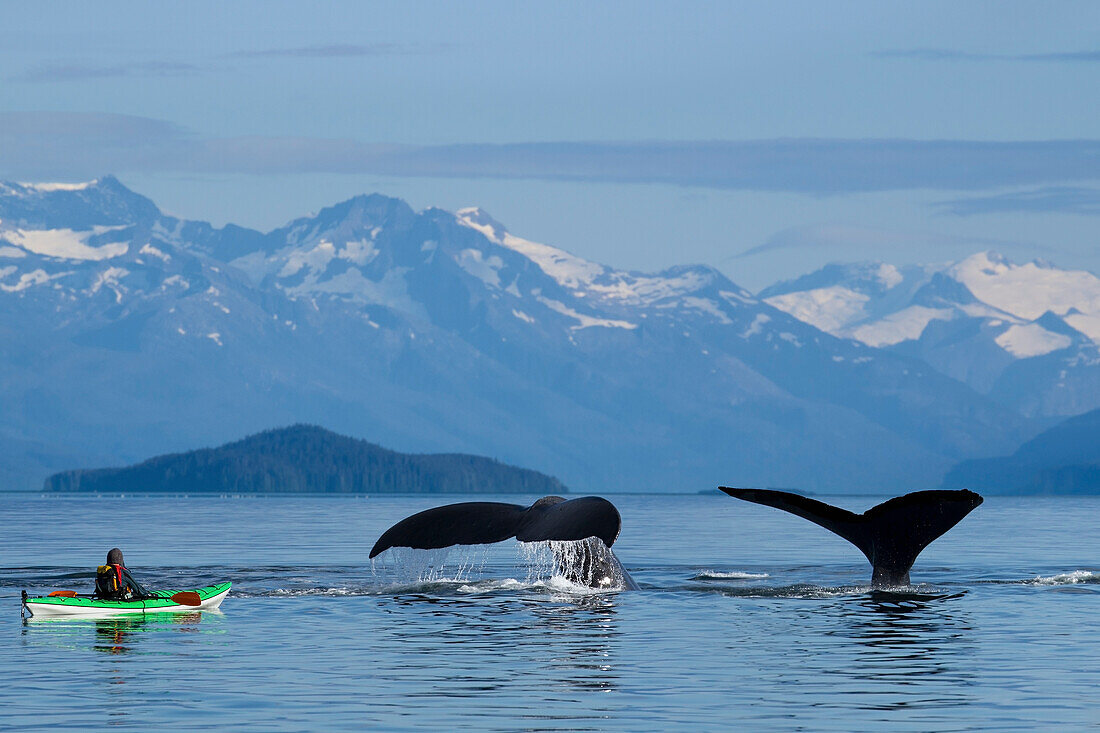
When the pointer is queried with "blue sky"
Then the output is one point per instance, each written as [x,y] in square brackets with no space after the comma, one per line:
[764,139]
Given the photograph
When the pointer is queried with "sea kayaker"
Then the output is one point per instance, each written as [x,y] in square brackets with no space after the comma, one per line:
[113,581]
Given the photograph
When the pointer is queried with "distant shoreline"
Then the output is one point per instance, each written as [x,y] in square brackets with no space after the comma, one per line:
[410,494]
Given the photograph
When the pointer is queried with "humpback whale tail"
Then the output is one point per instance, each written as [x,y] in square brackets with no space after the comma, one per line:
[485,522]
[890,535]
[552,518]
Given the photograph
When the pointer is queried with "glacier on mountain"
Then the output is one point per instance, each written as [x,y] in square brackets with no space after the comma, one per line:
[983,320]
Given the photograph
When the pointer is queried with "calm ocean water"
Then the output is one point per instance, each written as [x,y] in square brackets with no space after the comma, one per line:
[747,617]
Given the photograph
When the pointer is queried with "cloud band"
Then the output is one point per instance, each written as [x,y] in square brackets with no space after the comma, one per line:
[38,144]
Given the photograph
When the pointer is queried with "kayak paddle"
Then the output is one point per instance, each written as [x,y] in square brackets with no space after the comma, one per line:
[184,598]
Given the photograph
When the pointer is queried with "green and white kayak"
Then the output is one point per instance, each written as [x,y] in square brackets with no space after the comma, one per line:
[209,598]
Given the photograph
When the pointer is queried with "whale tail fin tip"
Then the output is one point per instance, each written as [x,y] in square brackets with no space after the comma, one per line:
[890,535]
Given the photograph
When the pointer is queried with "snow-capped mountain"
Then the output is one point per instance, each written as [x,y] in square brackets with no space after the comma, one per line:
[1027,335]
[127,332]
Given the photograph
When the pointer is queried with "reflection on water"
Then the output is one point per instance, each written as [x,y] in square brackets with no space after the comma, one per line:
[115,635]
[901,650]
[112,634]
[568,643]
[115,657]
[581,637]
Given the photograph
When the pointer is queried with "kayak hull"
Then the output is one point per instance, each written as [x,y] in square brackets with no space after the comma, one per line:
[210,598]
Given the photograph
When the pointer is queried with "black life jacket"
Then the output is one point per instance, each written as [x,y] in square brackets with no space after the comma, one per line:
[109,584]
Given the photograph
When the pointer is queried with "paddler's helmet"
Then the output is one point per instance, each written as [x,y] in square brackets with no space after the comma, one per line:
[114,557]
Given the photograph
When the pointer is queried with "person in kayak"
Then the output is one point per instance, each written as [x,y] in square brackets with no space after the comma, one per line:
[113,581]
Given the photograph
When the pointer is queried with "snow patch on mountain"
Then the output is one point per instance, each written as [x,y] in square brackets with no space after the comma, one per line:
[1088,324]
[757,325]
[889,276]
[47,187]
[391,291]
[27,280]
[66,243]
[583,320]
[708,306]
[643,290]
[316,259]
[111,278]
[1031,340]
[486,269]
[360,251]
[1028,290]
[568,270]
[829,309]
[152,251]
[905,325]
[175,280]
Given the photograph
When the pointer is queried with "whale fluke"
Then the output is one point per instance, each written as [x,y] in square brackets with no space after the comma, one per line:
[484,522]
[890,535]
[593,523]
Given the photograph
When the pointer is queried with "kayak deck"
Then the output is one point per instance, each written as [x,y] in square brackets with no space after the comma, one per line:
[210,598]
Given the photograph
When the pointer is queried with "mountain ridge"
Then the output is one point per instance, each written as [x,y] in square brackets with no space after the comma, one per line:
[444,332]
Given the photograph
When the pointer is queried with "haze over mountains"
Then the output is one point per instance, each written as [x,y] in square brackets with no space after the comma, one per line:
[127,333]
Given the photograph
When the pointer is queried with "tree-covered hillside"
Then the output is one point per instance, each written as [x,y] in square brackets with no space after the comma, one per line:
[306,458]
[1062,460]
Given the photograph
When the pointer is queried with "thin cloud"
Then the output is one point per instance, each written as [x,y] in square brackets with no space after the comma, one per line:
[80,145]
[945,54]
[332,50]
[796,165]
[812,166]
[831,237]
[80,72]
[70,129]
[1052,199]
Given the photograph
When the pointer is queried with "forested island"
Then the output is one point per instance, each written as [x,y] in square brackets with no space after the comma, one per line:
[308,459]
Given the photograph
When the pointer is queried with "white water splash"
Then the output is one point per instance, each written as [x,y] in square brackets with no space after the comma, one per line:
[729,575]
[597,570]
[408,566]
[1073,577]
[546,565]
[487,586]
